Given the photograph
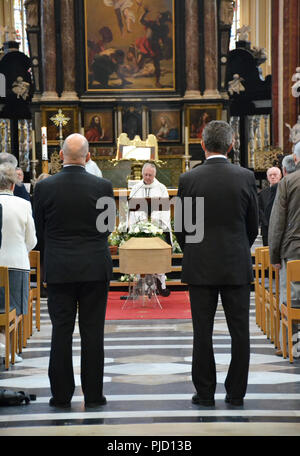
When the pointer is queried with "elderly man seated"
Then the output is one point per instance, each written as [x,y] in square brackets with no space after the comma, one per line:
[150,187]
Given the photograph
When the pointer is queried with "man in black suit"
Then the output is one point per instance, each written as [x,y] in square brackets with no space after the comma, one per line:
[77,268]
[220,263]
[266,199]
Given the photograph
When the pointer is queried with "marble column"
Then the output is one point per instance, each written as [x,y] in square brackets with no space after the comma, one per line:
[68,49]
[291,52]
[48,50]
[275,72]
[211,49]
[192,49]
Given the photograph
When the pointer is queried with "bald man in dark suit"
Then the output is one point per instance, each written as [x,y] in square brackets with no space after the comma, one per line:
[77,268]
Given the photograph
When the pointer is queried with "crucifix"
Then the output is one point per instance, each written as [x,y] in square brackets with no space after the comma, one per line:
[60,120]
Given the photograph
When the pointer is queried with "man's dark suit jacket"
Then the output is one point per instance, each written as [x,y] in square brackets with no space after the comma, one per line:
[65,216]
[21,191]
[230,224]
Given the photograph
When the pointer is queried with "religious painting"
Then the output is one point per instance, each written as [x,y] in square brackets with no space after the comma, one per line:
[130,45]
[98,126]
[197,118]
[165,125]
[52,115]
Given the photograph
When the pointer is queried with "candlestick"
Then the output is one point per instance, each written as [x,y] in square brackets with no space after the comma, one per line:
[44,144]
[33,154]
[34,164]
[186,151]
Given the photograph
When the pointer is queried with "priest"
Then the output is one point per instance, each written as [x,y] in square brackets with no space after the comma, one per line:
[150,187]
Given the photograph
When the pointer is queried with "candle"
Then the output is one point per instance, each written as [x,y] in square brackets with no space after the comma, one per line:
[82,131]
[44,144]
[186,141]
[33,155]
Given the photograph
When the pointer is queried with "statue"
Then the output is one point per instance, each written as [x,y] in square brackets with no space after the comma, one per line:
[235,85]
[296,86]
[243,32]
[15,66]
[260,55]
[294,132]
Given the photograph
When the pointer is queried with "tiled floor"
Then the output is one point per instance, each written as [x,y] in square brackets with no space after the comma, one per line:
[148,386]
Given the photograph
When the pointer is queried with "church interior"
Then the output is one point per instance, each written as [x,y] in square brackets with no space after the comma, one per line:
[86,66]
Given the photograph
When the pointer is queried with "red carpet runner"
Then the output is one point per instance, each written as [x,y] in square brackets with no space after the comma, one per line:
[175,306]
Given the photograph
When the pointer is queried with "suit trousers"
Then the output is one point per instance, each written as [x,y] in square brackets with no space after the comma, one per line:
[236,304]
[90,299]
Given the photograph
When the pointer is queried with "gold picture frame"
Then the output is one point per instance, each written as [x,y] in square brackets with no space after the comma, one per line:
[72,126]
[197,116]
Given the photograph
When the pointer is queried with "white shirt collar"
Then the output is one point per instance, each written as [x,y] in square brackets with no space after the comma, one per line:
[217,156]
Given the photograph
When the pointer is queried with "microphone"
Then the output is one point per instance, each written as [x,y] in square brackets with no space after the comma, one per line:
[137,190]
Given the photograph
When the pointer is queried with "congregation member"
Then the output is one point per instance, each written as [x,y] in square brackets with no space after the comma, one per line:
[18,239]
[265,200]
[150,187]
[77,270]
[220,263]
[20,174]
[20,189]
[284,229]
[288,166]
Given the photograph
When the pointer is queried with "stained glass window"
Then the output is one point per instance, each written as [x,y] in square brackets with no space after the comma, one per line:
[20,25]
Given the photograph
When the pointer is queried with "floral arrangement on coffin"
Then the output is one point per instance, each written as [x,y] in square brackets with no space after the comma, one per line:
[145,229]
[142,228]
[176,247]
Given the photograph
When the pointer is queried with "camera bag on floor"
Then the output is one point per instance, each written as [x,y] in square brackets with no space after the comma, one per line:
[15,397]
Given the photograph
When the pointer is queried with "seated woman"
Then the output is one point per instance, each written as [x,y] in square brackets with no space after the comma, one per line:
[18,238]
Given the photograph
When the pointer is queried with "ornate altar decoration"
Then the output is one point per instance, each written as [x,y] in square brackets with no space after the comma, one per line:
[55,163]
[138,152]
[264,159]
[250,104]
[60,120]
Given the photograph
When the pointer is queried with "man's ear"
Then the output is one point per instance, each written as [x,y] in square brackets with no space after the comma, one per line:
[229,148]
[88,156]
[61,155]
[295,158]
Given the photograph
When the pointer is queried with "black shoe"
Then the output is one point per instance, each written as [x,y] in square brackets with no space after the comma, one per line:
[162,291]
[95,404]
[43,292]
[196,399]
[54,403]
[165,292]
[236,402]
